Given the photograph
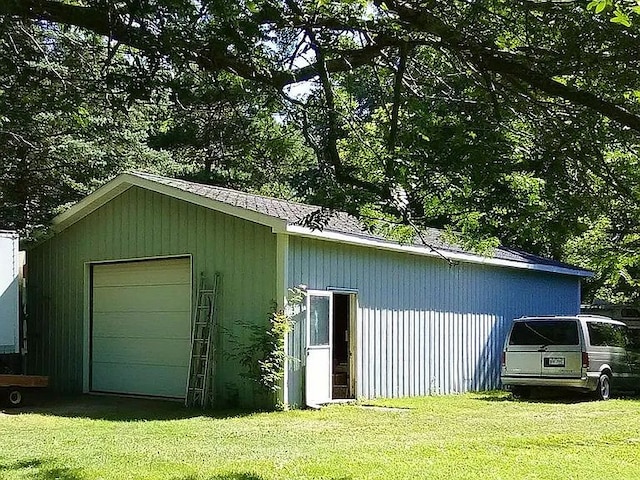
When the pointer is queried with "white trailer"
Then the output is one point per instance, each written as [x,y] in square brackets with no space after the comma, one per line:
[11,382]
[9,298]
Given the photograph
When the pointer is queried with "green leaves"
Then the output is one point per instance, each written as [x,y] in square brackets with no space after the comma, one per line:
[261,353]
[252,6]
[63,131]
[599,6]
[621,10]
[621,17]
[508,118]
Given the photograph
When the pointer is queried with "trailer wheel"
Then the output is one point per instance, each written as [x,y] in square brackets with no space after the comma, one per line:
[15,397]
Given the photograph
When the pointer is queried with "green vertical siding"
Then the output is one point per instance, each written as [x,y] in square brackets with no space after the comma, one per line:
[142,224]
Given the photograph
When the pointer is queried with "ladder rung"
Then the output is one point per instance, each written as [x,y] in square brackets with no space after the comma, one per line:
[199,382]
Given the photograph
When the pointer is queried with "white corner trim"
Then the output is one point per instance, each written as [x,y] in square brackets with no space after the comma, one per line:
[282,285]
[429,252]
[125,181]
[282,269]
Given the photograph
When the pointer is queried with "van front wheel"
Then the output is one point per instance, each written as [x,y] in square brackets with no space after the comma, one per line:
[603,391]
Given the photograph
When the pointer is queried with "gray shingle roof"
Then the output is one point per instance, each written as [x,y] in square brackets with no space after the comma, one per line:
[340,222]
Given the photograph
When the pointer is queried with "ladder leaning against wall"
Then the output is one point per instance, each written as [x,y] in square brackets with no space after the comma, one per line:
[201,365]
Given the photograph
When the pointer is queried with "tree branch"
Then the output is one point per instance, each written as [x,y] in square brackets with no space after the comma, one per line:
[213,56]
[397,97]
[554,88]
[497,62]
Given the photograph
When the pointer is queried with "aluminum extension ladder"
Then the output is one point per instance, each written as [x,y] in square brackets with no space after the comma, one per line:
[201,366]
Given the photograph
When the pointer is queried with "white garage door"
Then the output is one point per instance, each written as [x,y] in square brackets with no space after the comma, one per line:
[141,327]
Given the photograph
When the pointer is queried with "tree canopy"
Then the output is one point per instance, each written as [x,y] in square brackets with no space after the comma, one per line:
[504,121]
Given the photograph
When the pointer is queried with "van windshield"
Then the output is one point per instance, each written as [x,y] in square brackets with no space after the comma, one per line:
[545,332]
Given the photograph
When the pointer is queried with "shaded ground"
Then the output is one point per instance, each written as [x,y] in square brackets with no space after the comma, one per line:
[115,408]
[485,435]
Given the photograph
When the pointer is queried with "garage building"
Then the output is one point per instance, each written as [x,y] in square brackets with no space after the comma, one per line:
[111,297]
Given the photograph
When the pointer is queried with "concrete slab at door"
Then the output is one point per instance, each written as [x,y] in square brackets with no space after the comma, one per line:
[141,327]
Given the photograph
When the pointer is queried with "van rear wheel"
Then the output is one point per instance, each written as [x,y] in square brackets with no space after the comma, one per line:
[522,393]
[603,390]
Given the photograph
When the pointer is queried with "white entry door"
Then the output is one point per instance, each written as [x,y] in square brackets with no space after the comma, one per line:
[319,335]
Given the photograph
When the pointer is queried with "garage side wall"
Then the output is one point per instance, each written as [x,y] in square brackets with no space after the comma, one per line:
[143,224]
[423,327]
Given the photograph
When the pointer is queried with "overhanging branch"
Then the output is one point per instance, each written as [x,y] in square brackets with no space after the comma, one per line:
[490,59]
[415,21]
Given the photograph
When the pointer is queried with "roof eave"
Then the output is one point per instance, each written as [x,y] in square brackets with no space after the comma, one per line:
[125,181]
[301,231]
[278,225]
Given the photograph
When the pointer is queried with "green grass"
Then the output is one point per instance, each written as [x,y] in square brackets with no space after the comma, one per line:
[473,436]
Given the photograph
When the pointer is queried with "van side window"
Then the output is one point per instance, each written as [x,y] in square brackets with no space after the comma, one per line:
[633,335]
[547,332]
[606,335]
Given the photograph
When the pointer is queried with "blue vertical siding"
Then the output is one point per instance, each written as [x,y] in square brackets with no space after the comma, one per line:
[423,327]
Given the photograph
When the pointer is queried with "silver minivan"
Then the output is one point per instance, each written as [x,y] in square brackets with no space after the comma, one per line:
[590,353]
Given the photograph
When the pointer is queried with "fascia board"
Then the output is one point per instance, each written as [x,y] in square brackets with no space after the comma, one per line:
[125,181]
[429,252]
[90,203]
[277,224]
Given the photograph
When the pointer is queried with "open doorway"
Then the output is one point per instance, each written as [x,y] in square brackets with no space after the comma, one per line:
[343,351]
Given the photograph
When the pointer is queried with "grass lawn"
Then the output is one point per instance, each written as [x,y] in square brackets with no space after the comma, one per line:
[472,436]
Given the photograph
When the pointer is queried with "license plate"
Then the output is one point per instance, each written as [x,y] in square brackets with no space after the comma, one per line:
[554,362]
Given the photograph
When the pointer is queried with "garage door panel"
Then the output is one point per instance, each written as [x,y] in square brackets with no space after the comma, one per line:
[152,380]
[141,327]
[145,324]
[151,298]
[162,272]
[147,351]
